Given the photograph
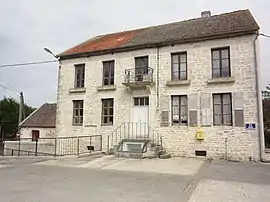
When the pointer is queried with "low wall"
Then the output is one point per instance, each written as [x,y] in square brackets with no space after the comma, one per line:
[28,148]
[54,146]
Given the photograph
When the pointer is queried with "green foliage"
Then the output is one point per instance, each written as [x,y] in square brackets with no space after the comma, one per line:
[9,113]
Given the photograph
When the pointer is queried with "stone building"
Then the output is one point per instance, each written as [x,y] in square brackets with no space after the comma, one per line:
[192,86]
[39,124]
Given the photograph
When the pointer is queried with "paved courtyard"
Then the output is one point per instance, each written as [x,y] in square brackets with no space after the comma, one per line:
[112,179]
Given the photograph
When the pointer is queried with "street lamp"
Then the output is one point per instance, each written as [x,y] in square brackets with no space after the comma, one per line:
[50,52]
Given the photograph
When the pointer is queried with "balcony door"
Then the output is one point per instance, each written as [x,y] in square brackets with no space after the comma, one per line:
[141,67]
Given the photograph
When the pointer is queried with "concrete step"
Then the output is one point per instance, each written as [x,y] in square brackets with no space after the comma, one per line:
[267,155]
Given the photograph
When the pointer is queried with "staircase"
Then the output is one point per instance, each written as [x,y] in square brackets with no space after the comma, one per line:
[135,140]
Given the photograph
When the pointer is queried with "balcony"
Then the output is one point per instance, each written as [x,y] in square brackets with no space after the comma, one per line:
[139,77]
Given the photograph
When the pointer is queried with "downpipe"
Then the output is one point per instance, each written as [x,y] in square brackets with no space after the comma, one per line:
[259,102]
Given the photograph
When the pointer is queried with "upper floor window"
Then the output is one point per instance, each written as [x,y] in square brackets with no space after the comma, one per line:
[79,75]
[141,67]
[179,109]
[179,66]
[222,109]
[221,62]
[108,73]
[77,112]
[107,111]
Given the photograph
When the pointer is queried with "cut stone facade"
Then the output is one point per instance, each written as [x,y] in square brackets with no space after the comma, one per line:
[230,142]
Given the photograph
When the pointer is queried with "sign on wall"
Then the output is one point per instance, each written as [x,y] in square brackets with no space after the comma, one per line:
[250,126]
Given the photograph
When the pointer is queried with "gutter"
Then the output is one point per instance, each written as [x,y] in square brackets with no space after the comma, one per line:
[259,102]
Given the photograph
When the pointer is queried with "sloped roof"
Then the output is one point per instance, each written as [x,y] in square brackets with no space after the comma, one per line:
[44,117]
[217,26]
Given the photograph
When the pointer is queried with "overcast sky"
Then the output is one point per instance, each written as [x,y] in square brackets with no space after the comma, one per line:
[28,26]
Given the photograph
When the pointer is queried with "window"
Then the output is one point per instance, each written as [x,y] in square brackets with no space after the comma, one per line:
[179,66]
[141,101]
[108,73]
[79,75]
[221,62]
[77,112]
[179,109]
[141,67]
[222,109]
[35,135]
[107,112]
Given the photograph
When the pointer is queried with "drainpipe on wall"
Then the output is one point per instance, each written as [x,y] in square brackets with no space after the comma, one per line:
[259,101]
[158,60]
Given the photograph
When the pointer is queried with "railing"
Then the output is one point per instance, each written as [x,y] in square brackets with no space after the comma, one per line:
[133,131]
[59,146]
[138,75]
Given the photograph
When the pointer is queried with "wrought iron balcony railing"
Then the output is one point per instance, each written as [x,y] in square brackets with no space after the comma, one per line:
[139,75]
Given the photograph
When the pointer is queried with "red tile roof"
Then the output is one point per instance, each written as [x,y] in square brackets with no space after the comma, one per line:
[102,42]
[217,26]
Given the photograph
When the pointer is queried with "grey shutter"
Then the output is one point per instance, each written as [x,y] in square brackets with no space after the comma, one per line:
[164,106]
[206,106]
[238,107]
[192,109]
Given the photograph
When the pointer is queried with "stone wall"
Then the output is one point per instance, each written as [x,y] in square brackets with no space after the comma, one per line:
[43,132]
[232,142]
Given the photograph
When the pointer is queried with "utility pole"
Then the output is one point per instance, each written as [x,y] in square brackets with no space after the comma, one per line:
[21,110]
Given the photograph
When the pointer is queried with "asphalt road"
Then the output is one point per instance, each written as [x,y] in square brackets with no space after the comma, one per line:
[36,183]
[26,179]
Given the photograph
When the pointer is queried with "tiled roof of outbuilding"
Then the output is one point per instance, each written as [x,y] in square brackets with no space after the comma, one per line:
[44,117]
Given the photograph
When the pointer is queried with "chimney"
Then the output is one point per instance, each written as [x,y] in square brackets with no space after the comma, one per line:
[206,14]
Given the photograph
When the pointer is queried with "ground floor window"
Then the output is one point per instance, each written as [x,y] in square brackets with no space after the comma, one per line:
[77,112]
[179,109]
[222,109]
[107,112]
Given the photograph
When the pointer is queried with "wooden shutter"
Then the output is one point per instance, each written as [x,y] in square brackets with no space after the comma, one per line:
[164,106]
[192,109]
[238,108]
[206,109]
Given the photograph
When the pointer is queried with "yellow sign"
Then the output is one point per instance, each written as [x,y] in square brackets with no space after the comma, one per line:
[199,135]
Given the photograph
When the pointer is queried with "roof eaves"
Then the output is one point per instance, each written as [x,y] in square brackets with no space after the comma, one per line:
[37,126]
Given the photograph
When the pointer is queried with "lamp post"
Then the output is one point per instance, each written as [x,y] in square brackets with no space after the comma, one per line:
[56,57]
[50,52]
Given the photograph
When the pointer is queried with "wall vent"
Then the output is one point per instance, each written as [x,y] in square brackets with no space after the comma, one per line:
[200,152]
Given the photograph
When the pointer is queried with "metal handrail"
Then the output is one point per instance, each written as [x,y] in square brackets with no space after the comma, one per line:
[139,74]
[133,131]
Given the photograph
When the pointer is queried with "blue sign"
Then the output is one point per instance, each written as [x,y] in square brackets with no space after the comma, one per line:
[250,126]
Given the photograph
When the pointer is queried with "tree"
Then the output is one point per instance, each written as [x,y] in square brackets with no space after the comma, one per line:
[9,113]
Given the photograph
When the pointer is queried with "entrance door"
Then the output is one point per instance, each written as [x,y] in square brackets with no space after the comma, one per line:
[140,117]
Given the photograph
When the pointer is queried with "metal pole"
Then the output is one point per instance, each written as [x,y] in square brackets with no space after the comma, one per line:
[21,109]
[55,147]
[90,143]
[108,146]
[19,152]
[78,146]
[36,146]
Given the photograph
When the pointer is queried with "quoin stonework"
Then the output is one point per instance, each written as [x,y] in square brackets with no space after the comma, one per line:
[194,82]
